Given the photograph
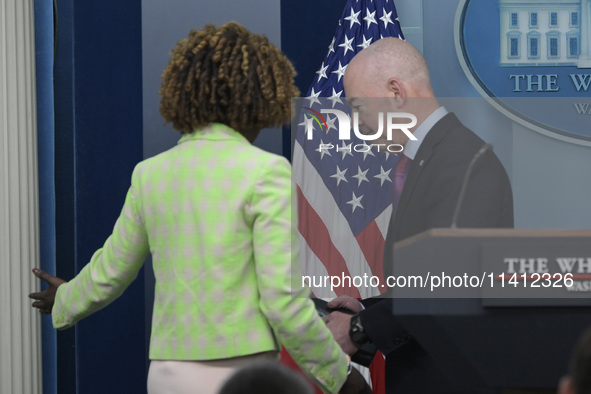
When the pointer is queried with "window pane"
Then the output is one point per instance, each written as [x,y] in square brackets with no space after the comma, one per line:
[514,47]
[574,47]
[514,19]
[534,19]
[554,47]
[533,47]
[574,19]
[553,19]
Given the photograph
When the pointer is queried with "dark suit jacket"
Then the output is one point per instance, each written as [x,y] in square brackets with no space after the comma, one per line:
[428,200]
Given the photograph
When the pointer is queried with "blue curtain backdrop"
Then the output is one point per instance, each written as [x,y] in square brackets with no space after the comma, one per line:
[89,86]
[307,47]
[44,57]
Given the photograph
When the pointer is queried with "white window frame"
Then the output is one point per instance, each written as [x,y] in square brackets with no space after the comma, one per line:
[531,15]
[550,19]
[514,35]
[511,25]
[569,35]
[549,36]
[537,36]
[570,19]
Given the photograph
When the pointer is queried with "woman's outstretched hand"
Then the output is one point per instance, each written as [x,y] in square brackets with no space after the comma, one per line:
[44,299]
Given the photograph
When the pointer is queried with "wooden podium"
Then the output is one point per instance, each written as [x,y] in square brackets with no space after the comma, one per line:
[505,333]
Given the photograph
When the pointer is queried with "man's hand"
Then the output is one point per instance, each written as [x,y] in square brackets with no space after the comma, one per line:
[46,298]
[339,324]
[345,302]
[355,384]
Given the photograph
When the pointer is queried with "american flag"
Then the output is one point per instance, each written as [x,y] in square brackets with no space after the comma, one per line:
[344,197]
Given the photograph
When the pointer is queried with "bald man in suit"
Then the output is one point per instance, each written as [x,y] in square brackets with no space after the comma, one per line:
[437,159]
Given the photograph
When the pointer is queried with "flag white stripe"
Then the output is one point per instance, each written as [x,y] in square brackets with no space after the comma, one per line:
[383,220]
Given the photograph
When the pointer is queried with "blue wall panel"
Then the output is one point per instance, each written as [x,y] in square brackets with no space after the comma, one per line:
[44,47]
[98,110]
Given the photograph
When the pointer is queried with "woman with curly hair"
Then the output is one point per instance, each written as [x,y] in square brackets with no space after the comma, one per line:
[215,213]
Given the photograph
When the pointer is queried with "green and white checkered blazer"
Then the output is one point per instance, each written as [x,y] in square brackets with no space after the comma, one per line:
[215,212]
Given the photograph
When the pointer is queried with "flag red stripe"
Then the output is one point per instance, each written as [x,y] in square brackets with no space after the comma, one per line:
[317,236]
[372,243]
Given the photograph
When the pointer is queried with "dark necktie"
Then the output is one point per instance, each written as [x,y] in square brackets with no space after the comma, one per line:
[400,173]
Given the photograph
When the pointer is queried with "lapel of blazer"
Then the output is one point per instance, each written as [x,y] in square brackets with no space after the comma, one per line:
[421,160]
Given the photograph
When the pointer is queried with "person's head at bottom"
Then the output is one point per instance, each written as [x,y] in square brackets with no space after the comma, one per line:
[578,380]
[266,378]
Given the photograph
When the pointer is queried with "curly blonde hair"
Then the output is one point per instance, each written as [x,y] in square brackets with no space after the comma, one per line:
[227,75]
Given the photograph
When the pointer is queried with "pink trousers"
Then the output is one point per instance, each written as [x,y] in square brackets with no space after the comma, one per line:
[197,377]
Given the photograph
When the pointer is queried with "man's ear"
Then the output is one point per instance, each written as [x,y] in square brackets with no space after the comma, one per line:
[397,91]
[395,87]
[566,386]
